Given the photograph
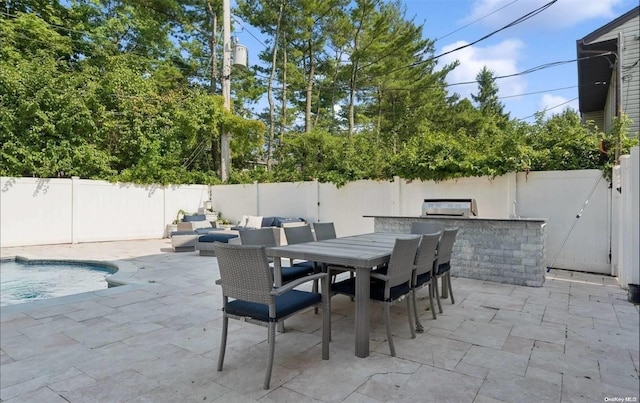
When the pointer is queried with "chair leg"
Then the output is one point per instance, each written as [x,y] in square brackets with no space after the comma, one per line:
[314,288]
[435,291]
[419,328]
[387,319]
[433,308]
[272,346]
[444,290]
[326,318]
[413,333]
[351,276]
[448,275]
[223,341]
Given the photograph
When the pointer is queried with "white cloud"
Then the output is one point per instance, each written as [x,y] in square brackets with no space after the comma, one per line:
[554,104]
[501,59]
[561,14]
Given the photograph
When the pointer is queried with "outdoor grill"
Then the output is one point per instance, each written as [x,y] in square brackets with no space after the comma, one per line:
[449,207]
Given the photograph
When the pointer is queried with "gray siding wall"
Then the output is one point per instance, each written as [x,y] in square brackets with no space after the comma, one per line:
[630,76]
[596,117]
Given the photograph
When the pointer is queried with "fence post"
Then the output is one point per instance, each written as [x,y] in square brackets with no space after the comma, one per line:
[256,189]
[74,208]
[316,200]
[396,196]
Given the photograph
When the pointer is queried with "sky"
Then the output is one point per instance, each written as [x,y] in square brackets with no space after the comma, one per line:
[548,37]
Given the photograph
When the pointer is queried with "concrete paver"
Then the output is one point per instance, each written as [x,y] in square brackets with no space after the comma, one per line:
[157,339]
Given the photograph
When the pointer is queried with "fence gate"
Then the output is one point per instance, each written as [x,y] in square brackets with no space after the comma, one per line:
[578,207]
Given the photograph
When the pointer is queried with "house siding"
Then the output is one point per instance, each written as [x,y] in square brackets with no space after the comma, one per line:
[630,95]
[597,118]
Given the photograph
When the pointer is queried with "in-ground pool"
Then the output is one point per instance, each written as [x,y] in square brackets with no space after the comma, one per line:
[24,281]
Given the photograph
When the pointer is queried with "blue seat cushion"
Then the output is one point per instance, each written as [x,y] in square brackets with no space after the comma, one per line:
[295,272]
[267,221]
[224,238]
[278,221]
[443,268]
[422,279]
[376,290]
[286,304]
[197,217]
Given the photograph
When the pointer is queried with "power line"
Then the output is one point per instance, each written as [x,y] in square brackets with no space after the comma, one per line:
[513,23]
[445,85]
[473,22]
[548,109]
[632,66]
[538,92]
[249,32]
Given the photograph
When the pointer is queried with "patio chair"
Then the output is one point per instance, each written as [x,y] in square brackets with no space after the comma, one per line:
[245,278]
[422,227]
[443,264]
[299,234]
[266,237]
[324,230]
[423,274]
[390,287]
[258,236]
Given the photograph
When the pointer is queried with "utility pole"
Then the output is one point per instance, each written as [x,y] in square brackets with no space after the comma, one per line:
[225,138]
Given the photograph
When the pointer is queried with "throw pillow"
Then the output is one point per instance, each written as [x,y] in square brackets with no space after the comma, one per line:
[243,221]
[254,222]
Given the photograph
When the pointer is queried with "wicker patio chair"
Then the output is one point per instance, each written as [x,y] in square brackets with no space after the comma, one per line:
[299,234]
[422,227]
[443,263]
[266,237]
[423,274]
[324,230]
[258,236]
[390,287]
[248,294]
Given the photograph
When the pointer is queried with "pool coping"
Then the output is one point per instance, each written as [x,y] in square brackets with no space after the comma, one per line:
[120,281]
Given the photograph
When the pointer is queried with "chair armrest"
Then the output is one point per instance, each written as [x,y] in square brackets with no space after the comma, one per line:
[379,276]
[193,225]
[293,284]
[201,224]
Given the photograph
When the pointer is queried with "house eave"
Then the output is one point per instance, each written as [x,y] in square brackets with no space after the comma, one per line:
[596,61]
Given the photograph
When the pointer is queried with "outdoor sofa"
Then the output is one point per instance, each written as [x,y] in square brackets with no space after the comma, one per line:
[188,231]
[204,243]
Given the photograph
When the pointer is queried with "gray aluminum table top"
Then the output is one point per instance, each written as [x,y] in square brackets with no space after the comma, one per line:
[364,250]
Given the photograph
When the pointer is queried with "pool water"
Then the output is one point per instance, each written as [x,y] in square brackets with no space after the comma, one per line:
[22,281]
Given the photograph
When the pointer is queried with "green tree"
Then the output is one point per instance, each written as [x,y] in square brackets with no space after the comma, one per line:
[128,90]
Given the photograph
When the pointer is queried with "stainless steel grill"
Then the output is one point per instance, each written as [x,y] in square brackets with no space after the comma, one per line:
[450,207]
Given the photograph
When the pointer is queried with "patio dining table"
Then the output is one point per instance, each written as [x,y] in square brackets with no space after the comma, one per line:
[362,252]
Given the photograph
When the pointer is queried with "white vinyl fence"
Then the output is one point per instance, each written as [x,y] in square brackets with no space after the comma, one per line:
[591,226]
[55,211]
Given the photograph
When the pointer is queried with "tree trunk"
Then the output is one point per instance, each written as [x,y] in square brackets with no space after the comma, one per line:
[309,91]
[274,58]
[283,118]
[213,83]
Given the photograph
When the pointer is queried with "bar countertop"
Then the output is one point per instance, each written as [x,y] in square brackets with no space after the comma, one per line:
[441,217]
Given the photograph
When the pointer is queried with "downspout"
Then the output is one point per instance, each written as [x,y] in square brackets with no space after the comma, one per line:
[619,110]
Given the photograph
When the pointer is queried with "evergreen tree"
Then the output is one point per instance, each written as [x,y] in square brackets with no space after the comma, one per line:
[487,97]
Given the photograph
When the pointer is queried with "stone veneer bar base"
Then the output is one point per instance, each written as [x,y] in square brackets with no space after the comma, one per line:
[510,251]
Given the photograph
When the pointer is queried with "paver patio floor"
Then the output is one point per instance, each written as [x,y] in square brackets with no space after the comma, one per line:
[576,339]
